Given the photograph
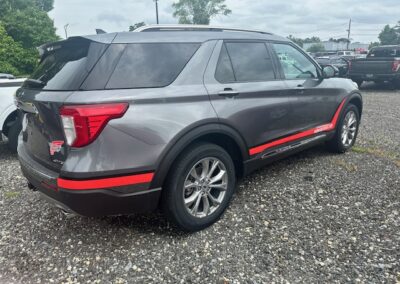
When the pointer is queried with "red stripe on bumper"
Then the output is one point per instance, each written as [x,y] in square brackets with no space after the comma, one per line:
[104,182]
[322,128]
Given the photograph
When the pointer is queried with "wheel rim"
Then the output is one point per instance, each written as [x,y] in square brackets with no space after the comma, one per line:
[349,128]
[205,187]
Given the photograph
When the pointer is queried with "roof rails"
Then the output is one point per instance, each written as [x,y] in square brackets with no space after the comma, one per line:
[161,28]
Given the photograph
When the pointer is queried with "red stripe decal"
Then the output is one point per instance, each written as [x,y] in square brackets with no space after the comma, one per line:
[104,182]
[322,128]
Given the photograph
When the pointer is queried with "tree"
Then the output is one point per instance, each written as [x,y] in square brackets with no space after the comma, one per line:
[317,47]
[296,40]
[31,27]
[14,59]
[199,11]
[390,35]
[137,25]
[373,44]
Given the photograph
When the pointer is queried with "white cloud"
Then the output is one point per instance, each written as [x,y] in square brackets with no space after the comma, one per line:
[301,18]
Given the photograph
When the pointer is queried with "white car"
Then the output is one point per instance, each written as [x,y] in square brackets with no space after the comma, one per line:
[9,123]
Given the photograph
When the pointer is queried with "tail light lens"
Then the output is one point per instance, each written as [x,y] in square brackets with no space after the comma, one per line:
[396,65]
[83,123]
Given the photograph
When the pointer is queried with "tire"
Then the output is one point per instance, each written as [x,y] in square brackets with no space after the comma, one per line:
[337,144]
[12,136]
[174,194]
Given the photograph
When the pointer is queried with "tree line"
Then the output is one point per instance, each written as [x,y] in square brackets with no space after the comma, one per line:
[24,25]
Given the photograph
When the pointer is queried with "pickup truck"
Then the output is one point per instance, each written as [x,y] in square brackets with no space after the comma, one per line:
[381,64]
[10,126]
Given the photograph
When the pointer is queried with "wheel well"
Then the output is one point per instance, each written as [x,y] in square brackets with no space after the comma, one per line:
[357,102]
[8,122]
[226,142]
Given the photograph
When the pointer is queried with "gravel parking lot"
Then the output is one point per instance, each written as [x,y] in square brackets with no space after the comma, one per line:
[314,217]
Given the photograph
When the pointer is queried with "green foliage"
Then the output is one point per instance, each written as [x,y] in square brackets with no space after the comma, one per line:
[342,39]
[24,25]
[300,41]
[390,35]
[137,25]
[31,27]
[373,44]
[13,58]
[199,11]
[317,47]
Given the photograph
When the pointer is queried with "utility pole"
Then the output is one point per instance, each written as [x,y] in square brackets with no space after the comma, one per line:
[348,34]
[65,29]
[156,1]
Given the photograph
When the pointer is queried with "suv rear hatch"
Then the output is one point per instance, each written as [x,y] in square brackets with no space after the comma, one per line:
[62,70]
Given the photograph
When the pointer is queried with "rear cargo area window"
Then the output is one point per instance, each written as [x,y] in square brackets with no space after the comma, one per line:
[150,65]
[65,65]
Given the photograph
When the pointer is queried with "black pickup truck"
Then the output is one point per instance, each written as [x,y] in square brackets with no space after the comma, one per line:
[381,64]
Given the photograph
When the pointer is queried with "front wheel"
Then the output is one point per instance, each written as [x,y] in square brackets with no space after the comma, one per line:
[200,187]
[12,136]
[346,130]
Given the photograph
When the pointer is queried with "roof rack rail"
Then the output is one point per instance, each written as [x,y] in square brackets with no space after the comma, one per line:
[160,28]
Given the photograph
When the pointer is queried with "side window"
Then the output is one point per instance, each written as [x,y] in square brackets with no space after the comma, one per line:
[294,63]
[250,62]
[224,71]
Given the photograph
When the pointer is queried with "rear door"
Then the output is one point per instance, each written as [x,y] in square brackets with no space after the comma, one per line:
[246,91]
[313,101]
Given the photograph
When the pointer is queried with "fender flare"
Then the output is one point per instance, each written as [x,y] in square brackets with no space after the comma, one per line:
[355,96]
[177,145]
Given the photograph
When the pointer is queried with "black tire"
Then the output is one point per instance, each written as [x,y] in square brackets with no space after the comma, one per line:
[336,144]
[173,194]
[13,133]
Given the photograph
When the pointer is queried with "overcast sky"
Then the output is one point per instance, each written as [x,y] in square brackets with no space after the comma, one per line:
[301,18]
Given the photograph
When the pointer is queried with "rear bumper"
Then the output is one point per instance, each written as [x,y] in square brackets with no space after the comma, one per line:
[374,77]
[111,200]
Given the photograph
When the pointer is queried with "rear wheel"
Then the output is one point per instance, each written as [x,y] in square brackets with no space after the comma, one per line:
[13,133]
[199,188]
[346,131]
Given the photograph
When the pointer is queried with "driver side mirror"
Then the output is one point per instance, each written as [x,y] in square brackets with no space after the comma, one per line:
[329,71]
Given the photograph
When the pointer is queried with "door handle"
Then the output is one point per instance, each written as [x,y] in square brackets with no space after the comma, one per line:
[228,92]
[300,89]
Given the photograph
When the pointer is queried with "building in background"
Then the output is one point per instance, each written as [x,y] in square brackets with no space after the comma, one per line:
[336,46]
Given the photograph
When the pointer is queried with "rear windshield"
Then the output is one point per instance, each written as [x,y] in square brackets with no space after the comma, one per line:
[66,65]
[385,52]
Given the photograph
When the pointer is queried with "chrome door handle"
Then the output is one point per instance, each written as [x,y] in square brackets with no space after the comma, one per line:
[228,92]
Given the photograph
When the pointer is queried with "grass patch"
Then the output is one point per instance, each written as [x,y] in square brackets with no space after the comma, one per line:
[393,156]
[11,194]
[347,166]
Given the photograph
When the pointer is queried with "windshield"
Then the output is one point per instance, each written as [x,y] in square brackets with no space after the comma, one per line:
[66,65]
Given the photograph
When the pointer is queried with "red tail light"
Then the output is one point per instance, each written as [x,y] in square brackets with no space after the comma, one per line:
[83,123]
[396,65]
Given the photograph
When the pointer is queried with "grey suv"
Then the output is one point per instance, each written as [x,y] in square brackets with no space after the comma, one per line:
[172,117]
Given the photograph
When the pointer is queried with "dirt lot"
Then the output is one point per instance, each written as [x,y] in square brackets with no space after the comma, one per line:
[314,217]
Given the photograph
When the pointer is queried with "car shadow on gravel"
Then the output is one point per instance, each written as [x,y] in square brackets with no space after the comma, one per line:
[5,153]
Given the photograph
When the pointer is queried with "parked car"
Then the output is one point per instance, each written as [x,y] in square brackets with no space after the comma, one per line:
[346,54]
[10,125]
[340,63]
[172,117]
[382,64]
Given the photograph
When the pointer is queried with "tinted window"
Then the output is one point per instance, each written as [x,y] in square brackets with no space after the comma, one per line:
[224,71]
[294,63]
[66,65]
[250,61]
[384,52]
[150,64]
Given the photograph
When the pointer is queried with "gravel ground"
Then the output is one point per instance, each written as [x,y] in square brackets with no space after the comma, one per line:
[314,217]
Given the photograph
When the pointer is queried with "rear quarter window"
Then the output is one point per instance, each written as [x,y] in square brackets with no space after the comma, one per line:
[150,65]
